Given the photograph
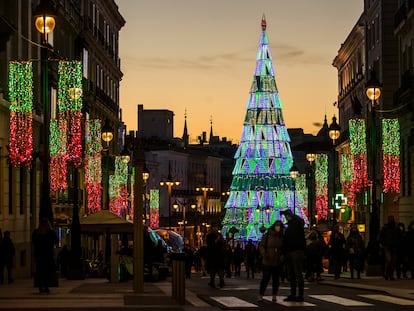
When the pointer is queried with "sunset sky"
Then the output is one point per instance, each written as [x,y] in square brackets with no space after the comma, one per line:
[199,56]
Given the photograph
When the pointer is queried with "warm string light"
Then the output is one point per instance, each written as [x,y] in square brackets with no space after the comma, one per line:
[346,178]
[70,106]
[321,185]
[357,135]
[93,165]
[21,123]
[391,155]
[154,208]
[118,193]
[58,156]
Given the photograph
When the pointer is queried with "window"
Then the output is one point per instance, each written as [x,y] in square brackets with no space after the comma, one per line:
[85,61]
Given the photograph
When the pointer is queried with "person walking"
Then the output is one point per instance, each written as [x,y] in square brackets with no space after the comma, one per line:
[336,251]
[215,256]
[409,240]
[294,245]
[44,239]
[356,250]
[270,248]
[250,255]
[237,259]
[390,238]
[315,249]
[7,255]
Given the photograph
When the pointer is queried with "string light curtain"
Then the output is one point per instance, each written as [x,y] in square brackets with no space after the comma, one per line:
[70,106]
[301,196]
[93,165]
[154,208]
[346,178]
[21,107]
[65,132]
[321,185]
[357,135]
[118,193]
[58,157]
[391,155]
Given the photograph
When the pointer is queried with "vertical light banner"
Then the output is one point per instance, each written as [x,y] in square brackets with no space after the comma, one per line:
[154,208]
[321,185]
[301,197]
[357,135]
[93,165]
[346,178]
[57,150]
[21,106]
[391,155]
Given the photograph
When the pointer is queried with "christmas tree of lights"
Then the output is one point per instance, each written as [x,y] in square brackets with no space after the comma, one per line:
[261,187]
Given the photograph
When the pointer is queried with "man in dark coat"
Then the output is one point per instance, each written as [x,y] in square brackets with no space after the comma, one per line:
[294,245]
[215,256]
[7,255]
[44,239]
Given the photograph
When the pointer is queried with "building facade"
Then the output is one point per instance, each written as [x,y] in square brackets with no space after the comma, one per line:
[86,30]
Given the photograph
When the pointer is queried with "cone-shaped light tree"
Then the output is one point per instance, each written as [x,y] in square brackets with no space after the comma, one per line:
[262,186]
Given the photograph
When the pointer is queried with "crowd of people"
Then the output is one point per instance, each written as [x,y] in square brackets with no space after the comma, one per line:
[287,252]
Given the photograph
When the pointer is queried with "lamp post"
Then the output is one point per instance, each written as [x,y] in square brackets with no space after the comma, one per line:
[293,174]
[310,157]
[107,136]
[45,24]
[334,133]
[184,207]
[205,190]
[169,182]
[373,92]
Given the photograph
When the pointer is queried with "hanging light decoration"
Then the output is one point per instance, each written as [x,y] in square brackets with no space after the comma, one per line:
[357,135]
[321,185]
[21,123]
[70,106]
[93,165]
[391,155]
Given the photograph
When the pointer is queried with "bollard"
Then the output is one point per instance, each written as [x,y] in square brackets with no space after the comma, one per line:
[178,277]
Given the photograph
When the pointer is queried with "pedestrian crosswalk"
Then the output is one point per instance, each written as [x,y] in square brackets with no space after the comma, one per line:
[313,300]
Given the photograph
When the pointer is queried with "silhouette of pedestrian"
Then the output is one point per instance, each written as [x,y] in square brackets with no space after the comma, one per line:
[63,260]
[215,256]
[270,248]
[250,254]
[336,251]
[356,251]
[44,239]
[390,238]
[7,254]
[294,245]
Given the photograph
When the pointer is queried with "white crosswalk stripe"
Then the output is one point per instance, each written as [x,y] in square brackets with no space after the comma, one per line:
[280,301]
[390,299]
[233,302]
[341,301]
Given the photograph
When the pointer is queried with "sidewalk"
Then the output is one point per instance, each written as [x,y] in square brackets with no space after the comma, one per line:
[94,294]
[403,288]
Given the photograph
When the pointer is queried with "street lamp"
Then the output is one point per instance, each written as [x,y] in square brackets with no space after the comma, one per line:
[205,190]
[310,157]
[169,183]
[294,172]
[373,92]
[184,207]
[45,24]
[107,136]
[334,133]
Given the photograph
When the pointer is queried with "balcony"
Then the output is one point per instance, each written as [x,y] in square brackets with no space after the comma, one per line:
[401,14]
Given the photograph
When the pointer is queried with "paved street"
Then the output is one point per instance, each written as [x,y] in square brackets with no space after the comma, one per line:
[341,295]
[370,293]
